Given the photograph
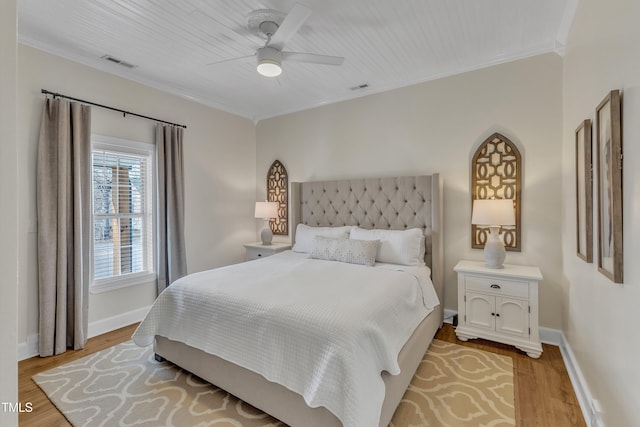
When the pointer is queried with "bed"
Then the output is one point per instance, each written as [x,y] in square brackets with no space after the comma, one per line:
[401,203]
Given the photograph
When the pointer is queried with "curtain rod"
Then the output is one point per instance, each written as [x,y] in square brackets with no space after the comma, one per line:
[124,113]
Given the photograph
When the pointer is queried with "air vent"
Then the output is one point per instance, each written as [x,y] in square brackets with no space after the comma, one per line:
[360,87]
[117,61]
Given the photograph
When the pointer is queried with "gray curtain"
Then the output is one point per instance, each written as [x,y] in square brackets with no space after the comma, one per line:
[172,261]
[64,225]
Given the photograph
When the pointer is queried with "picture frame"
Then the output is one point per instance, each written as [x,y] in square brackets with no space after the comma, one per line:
[609,186]
[278,191]
[584,192]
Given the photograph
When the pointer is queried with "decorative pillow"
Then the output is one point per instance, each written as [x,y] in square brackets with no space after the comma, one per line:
[405,247]
[353,251]
[305,235]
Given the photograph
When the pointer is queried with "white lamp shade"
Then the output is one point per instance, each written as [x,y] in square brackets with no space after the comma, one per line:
[493,212]
[266,210]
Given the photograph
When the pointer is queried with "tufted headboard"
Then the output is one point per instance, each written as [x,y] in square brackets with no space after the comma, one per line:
[387,203]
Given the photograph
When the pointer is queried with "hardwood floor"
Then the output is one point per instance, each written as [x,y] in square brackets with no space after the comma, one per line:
[543,392]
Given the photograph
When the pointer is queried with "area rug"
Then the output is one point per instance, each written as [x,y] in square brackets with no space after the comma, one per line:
[458,386]
[124,386]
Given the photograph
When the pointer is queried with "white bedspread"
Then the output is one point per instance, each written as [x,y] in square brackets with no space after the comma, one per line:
[323,329]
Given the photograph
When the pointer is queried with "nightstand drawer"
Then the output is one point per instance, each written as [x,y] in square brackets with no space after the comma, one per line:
[258,250]
[497,286]
[255,253]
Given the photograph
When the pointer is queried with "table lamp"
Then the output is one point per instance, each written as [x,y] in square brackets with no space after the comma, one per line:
[266,211]
[493,213]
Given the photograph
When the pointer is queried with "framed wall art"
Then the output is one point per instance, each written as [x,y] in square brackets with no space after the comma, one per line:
[609,184]
[496,173]
[584,192]
[277,191]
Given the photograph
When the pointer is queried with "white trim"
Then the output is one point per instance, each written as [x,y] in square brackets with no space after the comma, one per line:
[29,348]
[551,336]
[448,315]
[118,282]
[121,145]
[147,152]
[118,321]
[589,406]
[124,73]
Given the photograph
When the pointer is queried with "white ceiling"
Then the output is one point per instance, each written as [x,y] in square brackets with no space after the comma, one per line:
[386,44]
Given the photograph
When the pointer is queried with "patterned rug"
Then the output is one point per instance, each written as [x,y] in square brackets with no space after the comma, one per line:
[123,385]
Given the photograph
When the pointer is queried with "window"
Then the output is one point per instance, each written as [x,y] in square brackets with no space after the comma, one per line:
[122,193]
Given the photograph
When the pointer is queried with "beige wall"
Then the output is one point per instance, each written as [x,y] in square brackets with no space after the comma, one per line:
[9,211]
[436,127]
[219,155]
[602,318]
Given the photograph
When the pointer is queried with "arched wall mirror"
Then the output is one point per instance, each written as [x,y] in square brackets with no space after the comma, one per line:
[496,173]
[277,191]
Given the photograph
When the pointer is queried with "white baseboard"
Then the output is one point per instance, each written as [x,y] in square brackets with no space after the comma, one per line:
[29,348]
[551,336]
[589,406]
[112,323]
[448,315]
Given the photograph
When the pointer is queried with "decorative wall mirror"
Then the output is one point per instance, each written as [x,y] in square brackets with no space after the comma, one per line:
[496,173]
[277,191]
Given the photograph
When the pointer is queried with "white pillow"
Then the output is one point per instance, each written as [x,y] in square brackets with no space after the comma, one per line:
[353,251]
[305,235]
[405,247]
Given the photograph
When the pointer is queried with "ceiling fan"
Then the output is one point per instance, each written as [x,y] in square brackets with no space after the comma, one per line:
[278,29]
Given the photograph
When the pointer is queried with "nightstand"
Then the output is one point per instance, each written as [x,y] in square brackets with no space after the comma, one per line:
[499,304]
[258,250]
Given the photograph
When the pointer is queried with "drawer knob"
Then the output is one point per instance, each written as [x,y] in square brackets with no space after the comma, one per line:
[259,254]
[495,286]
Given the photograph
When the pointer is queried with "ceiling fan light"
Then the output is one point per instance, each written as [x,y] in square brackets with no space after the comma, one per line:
[269,68]
[269,61]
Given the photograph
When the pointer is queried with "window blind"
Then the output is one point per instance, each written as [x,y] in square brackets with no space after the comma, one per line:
[122,214]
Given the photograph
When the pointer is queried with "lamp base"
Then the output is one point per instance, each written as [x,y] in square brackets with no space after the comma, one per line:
[494,252]
[266,235]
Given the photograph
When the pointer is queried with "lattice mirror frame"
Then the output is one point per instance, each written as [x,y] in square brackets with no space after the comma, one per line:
[277,191]
[496,172]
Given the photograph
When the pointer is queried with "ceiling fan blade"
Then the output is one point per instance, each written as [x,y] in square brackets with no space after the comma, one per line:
[291,24]
[312,58]
[239,59]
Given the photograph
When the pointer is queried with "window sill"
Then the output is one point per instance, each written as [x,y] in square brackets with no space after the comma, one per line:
[111,284]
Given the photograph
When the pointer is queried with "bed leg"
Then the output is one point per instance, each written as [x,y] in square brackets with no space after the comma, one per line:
[158,357]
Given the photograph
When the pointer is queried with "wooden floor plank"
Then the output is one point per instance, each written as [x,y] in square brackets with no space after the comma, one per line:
[542,389]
